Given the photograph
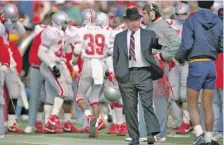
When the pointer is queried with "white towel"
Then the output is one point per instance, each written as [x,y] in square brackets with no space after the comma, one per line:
[97,71]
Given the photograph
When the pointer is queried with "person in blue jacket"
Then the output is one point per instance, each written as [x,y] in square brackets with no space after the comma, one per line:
[202,40]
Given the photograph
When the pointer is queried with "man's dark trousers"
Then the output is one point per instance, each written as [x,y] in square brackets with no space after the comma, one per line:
[139,82]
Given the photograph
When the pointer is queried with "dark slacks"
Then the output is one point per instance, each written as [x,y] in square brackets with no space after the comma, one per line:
[140,82]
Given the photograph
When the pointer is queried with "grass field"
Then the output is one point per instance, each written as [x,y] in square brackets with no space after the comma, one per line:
[82,139]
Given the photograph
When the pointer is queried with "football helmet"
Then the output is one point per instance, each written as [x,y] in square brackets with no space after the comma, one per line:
[60,20]
[102,19]
[88,16]
[11,12]
[182,11]
[111,91]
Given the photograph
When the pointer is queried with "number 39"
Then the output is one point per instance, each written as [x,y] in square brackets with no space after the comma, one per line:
[95,44]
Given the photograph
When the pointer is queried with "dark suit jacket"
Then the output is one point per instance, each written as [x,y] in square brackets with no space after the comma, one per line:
[148,41]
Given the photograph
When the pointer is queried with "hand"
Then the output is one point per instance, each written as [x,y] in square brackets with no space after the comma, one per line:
[157,56]
[176,61]
[111,76]
[3,18]
[56,72]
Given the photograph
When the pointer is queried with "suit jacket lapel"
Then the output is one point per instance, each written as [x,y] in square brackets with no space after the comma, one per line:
[142,40]
[125,44]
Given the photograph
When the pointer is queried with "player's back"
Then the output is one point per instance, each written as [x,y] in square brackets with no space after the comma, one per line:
[95,38]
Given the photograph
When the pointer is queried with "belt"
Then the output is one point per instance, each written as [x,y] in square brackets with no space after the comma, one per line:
[199,59]
[137,68]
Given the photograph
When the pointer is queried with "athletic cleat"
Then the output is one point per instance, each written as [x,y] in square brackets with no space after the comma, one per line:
[199,140]
[39,127]
[113,129]
[101,124]
[93,130]
[160,139]
[184,128]
[29,130]
[122,129]
[69,127]
[2,136]
[14,128]
[54,122]
[49,129]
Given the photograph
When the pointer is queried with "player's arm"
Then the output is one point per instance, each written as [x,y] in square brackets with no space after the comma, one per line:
[45,54]
[15,28]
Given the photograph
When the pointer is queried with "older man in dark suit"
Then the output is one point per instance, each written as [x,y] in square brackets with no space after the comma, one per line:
[135,68]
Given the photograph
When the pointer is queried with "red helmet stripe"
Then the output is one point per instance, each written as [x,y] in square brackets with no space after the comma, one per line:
[91,15]
[180,6]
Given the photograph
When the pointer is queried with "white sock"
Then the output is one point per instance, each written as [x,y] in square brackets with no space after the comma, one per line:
[198,130]
[87,113]
[113,116]
[39,116]
[208,136]
[67,117]
[47,111]
[97,122]
[58,102]
[119,115]
[11,120]
[186,116]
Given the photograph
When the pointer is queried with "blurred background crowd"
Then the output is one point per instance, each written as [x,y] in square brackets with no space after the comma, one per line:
[34,12]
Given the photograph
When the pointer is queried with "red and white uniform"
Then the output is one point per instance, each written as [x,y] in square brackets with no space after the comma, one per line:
[178,80]
[11,78]
[94,41]
[52,53]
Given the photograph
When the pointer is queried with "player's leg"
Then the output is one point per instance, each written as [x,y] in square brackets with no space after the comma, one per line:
[50,94]
[36,81]
[68,103]
[85,82]
[2,104]
[217,104]
[58,85]
[186,126]
[2,127]
[12,82]
[208,91]
[174,79]
[161,113]
[199,75]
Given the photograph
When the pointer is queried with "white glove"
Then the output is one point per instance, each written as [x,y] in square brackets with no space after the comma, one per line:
[4,68]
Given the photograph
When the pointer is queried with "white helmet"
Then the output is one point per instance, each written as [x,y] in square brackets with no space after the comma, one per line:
[181,9]
[11,12]
[102,19]
[112,94]
[88,16]
[60,20]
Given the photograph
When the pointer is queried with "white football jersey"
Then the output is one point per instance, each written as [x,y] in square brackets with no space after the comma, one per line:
[94,39]
[176,26]
[51,49]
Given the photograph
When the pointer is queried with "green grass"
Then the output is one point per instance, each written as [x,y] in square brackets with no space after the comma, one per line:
[81,139]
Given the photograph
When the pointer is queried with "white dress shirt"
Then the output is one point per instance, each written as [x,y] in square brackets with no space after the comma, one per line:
[140,60]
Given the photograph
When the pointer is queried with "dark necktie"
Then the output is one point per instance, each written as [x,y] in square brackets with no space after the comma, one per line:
[132,47]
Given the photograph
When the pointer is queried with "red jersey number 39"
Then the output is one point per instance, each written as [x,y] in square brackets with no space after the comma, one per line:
[95,44]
